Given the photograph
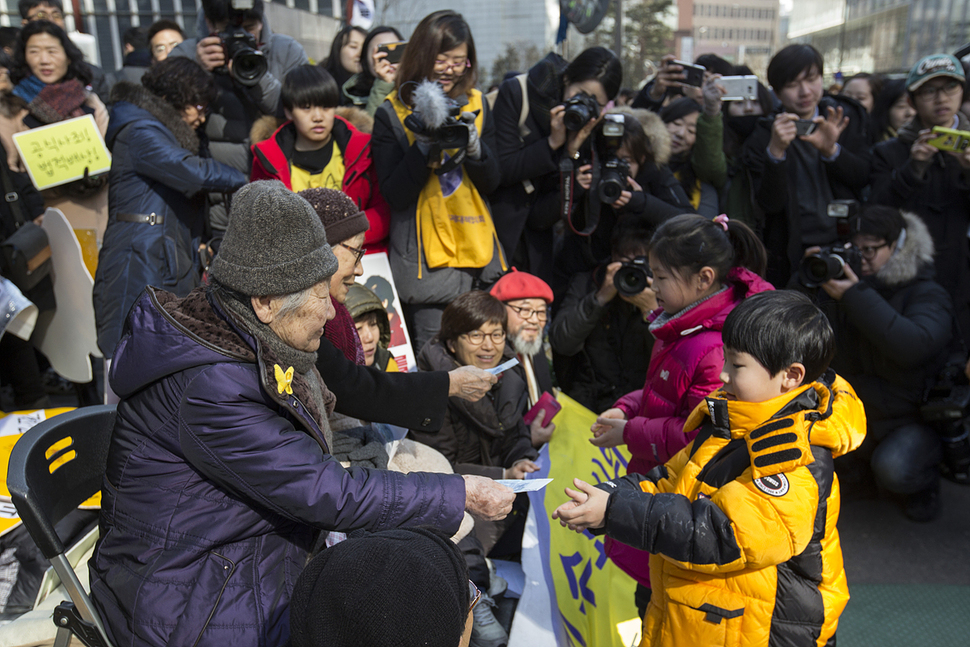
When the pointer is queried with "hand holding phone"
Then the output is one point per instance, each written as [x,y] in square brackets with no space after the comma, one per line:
[805,127]
[545,403]
[394,51]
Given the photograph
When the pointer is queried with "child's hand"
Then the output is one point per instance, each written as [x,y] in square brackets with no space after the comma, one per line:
[586,510]
[608,432]
[599,427]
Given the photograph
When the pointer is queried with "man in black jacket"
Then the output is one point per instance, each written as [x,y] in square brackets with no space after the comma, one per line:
[793,176]
[893,327]
[909,173]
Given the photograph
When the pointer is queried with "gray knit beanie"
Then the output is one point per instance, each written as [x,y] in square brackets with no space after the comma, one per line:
[275,243]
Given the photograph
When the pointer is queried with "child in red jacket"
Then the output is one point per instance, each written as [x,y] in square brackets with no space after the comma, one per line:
[317,149]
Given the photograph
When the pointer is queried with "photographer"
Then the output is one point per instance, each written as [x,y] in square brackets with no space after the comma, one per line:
[795,176]
[530,150]
[600,339]
[432,147]
[244,95]
[893,325]
[909,173]
[669,82]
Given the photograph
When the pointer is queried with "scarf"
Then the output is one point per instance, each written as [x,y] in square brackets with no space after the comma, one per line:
[29,88]
[57,101]
[342,333]
[301,361]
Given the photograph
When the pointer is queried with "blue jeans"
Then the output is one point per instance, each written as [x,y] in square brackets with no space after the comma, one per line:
[908,459]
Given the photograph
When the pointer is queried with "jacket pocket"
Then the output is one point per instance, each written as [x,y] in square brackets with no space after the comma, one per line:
[708,615]
[202,602]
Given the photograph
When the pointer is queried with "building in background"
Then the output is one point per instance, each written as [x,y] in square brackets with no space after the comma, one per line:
[740,32]
[879,35]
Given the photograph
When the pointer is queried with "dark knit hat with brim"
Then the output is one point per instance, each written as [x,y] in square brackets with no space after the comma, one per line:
[342,218]
[407,586]
[275,243]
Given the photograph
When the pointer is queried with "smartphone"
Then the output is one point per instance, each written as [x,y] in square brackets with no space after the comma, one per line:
[394,51]
[739,88]
[693,74]
[805,127]
[546,403]
[950,140]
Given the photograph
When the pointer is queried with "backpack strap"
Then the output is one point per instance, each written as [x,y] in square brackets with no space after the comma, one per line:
[523,115]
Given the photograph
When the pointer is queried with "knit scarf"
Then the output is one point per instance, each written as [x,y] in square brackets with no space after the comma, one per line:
[54,102]
[342,333]
[29,88]
[301,361]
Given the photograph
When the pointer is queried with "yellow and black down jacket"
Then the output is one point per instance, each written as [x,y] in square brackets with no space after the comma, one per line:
[741,522]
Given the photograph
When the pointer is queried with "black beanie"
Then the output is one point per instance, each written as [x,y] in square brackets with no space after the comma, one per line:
[406,586]
[338,213]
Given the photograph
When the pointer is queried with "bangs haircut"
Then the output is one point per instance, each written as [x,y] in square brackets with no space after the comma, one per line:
[679,109]
[469,312]
[438,32]
[879,222]
[786,65]
[779,328]
[634,137]
[596,64]
[631,237]
[309,86]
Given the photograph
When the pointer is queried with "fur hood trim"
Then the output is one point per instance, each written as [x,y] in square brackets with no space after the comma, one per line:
[913,258]
[357,118]
[264,127]
[655,130]
[140,97]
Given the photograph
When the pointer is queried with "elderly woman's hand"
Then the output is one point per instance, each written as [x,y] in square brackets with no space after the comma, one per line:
[486,499]
[470,383]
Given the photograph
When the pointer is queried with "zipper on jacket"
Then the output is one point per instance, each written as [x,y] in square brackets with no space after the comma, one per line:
[191,335]
[218,597]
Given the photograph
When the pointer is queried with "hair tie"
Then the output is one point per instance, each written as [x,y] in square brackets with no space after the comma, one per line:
[722,220]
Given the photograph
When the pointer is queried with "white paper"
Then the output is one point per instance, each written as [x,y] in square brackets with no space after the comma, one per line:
[503,367]
[519,485]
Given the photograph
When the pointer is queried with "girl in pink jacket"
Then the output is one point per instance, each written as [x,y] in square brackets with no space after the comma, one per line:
[701,269]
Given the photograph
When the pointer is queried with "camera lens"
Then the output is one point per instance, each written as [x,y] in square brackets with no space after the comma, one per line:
[576,116]
[610,188]
[821,267]
[248,67]
[630,279]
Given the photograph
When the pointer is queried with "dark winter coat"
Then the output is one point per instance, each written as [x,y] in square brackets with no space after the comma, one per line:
[217,483]
[156,167]
[772,184]
[483,437]
[941,198]
[609,346]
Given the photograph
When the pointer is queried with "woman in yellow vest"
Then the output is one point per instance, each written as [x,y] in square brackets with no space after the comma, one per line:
[443,241]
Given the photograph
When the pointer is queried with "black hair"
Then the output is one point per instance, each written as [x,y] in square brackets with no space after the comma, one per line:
[8,37]
[631,237]
[681,166]
[891,90]
[678,109]
[787,64]
[332,64]
[309,86]
[470,311]
[688,242]
[181,82]
[24,6]
[779,328]
[714,63]
[596,64]
[634,137]
[765,99]
[136,37]
[879,222]
[365,79]
[76,67]
[162,25]
[217,11]
[875,82]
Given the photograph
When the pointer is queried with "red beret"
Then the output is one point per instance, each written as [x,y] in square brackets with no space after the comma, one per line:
[521,285]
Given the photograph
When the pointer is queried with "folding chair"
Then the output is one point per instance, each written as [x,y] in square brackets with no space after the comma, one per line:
[54,467]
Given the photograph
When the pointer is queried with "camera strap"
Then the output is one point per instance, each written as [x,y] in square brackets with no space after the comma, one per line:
[567,196]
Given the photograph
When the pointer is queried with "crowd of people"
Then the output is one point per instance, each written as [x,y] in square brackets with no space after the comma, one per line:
[725,282]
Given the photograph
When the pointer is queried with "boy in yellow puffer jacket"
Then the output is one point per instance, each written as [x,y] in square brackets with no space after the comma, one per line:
[741,523]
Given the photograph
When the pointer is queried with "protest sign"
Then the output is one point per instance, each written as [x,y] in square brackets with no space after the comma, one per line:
[574,595]
[59,153]
[378,279]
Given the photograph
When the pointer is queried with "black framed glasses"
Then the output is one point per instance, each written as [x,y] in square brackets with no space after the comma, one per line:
[930,92]
[527,313]
[358,253]
[869,252]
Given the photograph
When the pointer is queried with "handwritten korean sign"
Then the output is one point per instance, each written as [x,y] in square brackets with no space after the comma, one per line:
[59,153]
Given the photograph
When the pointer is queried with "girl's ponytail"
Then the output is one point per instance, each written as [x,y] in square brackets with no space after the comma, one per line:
[689,242]
[749,251]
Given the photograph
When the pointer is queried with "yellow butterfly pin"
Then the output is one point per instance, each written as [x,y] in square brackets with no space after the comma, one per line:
[283,380]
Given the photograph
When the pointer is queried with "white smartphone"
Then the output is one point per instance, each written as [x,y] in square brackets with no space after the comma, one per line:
[739,88]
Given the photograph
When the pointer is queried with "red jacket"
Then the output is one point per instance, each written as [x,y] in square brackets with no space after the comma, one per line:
[271,162]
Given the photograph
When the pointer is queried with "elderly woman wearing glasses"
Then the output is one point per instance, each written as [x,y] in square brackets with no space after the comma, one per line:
[442,240]
[219,475]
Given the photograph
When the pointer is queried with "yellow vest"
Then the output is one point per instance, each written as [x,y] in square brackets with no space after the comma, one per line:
[454,225]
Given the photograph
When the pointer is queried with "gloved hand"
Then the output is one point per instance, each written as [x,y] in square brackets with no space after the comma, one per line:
[474,147]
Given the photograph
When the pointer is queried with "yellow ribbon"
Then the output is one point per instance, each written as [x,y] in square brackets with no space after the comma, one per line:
[283,380]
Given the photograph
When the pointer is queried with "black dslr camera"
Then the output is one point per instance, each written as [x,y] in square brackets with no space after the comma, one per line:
[945,408]
[631,278]
[248,63]
[829,262]
[613,170]
[579,110]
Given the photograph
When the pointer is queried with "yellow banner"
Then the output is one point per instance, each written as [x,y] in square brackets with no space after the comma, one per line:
[594,597]
[60,152]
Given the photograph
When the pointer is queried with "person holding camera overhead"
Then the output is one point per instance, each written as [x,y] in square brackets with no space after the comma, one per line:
[432,147]
[908,172]
[249,62]
[541,117]
[813,150]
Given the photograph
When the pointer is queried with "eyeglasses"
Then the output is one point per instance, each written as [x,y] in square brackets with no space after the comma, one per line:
[474,594]
[477,337]
[869,252]
[931,92]
[164,48]
[52,15]
[528,313]
[442,66]
[358,253]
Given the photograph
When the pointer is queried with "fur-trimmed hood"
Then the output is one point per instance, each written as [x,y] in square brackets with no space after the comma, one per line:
[913,258]
[264,127]
[654,128]
[160,109]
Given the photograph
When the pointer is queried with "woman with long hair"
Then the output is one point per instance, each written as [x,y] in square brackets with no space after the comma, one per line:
[344,60]
[368,88]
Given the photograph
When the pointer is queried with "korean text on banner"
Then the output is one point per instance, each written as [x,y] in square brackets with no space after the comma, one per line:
[591,599]
[59,153]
